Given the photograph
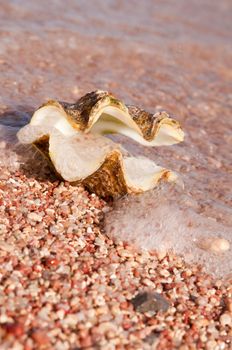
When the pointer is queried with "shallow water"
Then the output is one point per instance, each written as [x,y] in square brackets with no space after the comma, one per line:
[166,55]
[167,219]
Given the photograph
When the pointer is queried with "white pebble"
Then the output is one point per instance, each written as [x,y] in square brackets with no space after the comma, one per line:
[211,345]
[226,320]
[70,321]
[3,229]
[164,273]
[89,230]
[34,217]
[215,245]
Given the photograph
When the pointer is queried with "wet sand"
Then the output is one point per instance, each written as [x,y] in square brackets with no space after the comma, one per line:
[175,57]
[172,57]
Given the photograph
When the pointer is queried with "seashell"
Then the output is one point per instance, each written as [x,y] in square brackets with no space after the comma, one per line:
[71,137]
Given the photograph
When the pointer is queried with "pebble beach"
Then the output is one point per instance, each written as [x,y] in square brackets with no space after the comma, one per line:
[64,284]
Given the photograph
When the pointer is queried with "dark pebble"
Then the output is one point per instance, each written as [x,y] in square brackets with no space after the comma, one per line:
[16,329]
[151,302]
[152,337]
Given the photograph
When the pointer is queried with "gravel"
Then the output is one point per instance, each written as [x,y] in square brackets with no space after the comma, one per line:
[65,285]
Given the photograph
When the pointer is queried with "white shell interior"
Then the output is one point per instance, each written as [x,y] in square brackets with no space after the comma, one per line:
[76,155]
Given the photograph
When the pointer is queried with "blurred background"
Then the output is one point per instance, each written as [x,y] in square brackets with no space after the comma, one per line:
[173,55]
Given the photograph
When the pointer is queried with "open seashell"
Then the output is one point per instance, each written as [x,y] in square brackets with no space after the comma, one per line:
[71,137]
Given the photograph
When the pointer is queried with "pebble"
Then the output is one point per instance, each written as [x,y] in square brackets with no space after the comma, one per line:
[228,302]
[86,342]
[215,245]
[40,337]
[150,302]
[16,329]
[70,320]
[89,230]
[211,345]
[226,319]
[34,217]
[164,273]
[152,338]
[56,229]
[6,247]
[2,229]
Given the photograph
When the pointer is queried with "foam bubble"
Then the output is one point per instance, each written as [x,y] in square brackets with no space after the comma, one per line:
[166,219]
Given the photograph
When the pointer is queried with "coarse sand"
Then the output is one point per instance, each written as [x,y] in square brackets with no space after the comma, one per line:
[65,285]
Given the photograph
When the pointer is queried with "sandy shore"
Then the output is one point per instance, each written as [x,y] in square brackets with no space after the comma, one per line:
[65,285]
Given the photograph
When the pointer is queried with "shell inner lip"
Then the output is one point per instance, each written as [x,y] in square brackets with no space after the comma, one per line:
[109,115]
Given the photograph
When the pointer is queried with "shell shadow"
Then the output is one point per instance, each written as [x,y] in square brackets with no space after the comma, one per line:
[25,158]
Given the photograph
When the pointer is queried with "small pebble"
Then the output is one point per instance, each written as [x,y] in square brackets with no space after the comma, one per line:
[34,217]
[40,337]
[150,302]
[228,302]
[211,345]
[215,245]
[226,319]
[16,329]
